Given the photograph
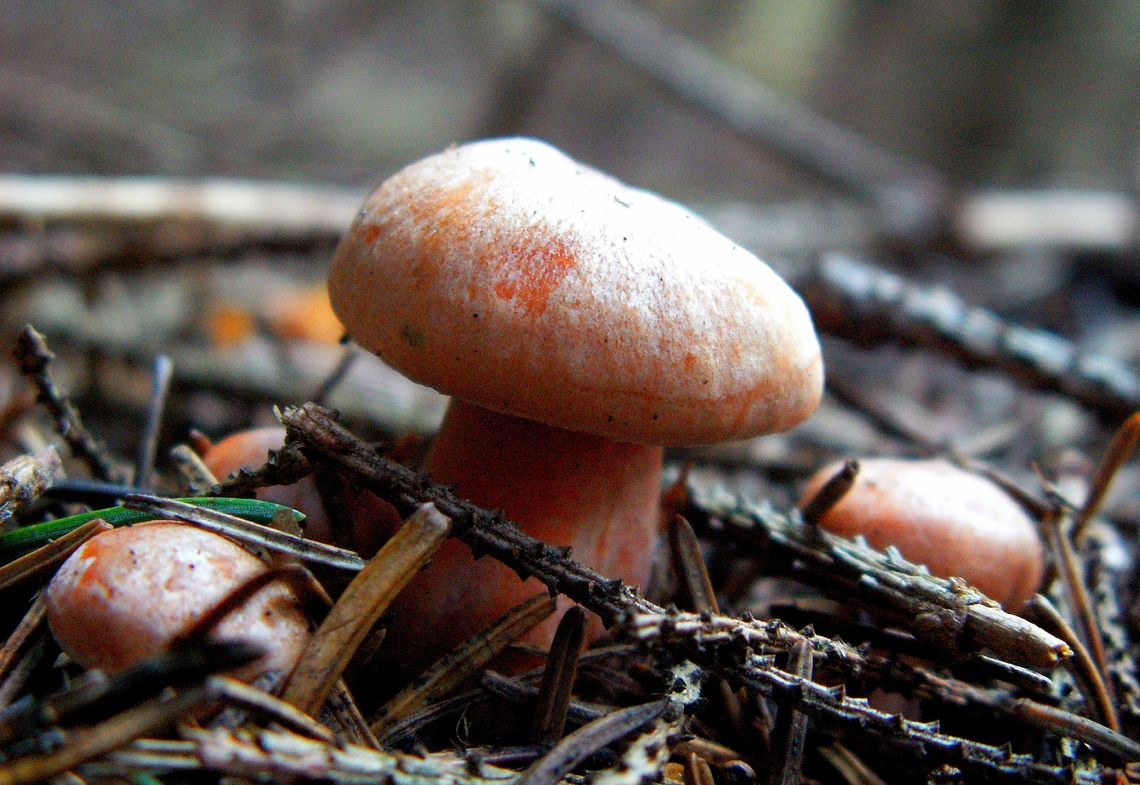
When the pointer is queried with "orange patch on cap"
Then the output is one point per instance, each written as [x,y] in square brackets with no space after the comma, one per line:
[529,272]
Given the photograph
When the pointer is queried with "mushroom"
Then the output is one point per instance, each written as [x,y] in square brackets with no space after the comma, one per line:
[372,519]
[579,324]
[128,593]
[953,521]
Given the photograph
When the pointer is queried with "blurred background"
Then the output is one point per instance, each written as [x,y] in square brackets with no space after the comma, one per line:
[987,93]
[890,131]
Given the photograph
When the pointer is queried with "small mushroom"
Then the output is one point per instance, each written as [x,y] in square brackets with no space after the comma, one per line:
[127,593]
[579,324]
[954,522]
[372,519]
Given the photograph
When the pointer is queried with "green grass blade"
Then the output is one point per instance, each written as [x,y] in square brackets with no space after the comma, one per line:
[27,538]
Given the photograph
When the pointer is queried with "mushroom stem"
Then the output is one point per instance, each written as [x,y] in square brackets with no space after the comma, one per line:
[597,496]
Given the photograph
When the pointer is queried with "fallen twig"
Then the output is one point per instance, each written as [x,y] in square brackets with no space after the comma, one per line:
[910,195]
[857,301]
[275,209]
[246,531]
[946,614]
[34,360]
[282,755]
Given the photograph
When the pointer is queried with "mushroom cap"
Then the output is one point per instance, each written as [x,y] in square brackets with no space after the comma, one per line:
[373,519]
[126,594]
[246,449]
[953,521]
[509,275]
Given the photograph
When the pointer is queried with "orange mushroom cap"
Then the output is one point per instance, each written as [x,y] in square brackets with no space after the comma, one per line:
[954,522]
[372,519]
[508,275]
[127,593]
[246,449]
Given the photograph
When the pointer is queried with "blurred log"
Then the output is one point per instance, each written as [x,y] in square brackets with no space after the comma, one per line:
[1006,221]
[80,222]
[266,208]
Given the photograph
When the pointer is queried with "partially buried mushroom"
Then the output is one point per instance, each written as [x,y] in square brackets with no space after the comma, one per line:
[953,521]
[128,593]
[579,324]
[370,520]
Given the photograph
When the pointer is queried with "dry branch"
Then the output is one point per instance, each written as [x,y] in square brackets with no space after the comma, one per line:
[266,209]
[34,359]
[936,609]
[949,615]
[854,300]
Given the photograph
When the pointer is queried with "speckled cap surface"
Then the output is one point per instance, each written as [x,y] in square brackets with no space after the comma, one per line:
[509,275]
[125,594]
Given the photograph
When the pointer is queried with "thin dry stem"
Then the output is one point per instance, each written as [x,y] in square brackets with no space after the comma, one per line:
[247,532]
[558,677]
[34,359]
[1120,449]
[1076,593]
[1088,676]
[361,605]
[459,665]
